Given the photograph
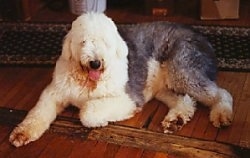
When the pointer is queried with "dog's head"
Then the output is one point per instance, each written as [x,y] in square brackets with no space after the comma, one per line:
[94,43]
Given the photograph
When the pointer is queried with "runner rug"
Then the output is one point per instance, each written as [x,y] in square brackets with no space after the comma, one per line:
[41,43]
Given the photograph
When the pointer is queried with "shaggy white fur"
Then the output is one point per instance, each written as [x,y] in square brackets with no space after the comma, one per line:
[94,74]
[99,91]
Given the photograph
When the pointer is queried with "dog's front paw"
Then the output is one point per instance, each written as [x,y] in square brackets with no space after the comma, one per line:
[19,137]
[93,123]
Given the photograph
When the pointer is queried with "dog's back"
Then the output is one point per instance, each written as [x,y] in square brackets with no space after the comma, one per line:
[176,47]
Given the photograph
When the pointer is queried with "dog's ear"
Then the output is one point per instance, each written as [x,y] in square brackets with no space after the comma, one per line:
[66,50]
[122,48]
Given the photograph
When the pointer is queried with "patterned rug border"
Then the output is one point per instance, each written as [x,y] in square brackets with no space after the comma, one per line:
[228,64]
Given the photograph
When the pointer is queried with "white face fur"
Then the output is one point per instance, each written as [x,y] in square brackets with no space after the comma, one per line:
[94,42]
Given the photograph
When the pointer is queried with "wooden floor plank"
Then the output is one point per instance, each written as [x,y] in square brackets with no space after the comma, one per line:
[34,90]
[4,132]
[111,150]
[155,124]
[8,74]
[125,152]
[82,149]
[62,143]
[234,83]
[201,124]
[245,102]
[3,72]
[235,130]
[5,147]
[245,136]
[11,78]
[25,82]
[161,155]
[237,125]
[142,117]
[211,132]
[148,154]
[188,129]
[98,151]
[14,93]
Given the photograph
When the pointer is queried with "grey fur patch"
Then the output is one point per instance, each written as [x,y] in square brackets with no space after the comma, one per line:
[186,53]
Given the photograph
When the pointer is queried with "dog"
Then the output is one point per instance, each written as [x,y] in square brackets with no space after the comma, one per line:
[110,72]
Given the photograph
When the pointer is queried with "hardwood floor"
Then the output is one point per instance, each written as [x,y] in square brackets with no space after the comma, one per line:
[140,136]
[21,87]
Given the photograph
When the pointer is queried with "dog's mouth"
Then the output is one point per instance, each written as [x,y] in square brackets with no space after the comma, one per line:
[94,74]
[94,69]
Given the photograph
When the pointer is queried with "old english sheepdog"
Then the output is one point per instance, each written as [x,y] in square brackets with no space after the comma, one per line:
[110,73]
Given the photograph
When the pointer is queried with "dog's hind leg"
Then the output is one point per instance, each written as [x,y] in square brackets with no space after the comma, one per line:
[181,109]
[38,119]
[218,99]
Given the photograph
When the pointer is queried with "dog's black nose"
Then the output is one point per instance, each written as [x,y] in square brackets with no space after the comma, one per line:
[95,64]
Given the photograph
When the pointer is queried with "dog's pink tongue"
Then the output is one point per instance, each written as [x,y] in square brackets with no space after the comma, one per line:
[94,75]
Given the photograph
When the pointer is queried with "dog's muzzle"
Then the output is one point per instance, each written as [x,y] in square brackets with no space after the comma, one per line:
[95,70]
